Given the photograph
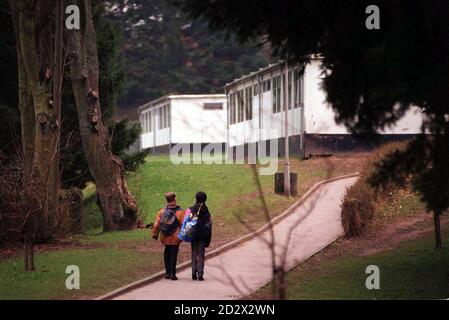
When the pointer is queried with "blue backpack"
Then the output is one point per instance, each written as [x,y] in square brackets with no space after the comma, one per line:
[188,228]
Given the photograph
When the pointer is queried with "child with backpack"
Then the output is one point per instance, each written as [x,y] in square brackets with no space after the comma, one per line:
[197,229]
[168,223]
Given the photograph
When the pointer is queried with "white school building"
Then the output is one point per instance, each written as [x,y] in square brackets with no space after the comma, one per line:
[256,112]
[253,109]
[183,119]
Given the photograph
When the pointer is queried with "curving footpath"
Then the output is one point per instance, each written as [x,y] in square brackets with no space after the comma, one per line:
[307,227]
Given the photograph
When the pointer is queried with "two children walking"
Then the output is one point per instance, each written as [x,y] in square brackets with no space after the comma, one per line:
[194,226]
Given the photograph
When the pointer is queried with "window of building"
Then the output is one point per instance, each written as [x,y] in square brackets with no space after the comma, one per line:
[148,114]
[277,94]
[298,95]
[167,116]
[164,117]
[232,105]
[289,91]
[287,94]
[145,120]
[266,85]
[213,106]
[161,118]
[142,122]
[248,103]
[256,89]
[240,106]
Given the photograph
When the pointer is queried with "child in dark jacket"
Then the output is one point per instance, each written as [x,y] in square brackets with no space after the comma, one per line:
[203,234]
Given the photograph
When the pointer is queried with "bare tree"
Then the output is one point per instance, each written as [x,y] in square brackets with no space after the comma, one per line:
[19,217]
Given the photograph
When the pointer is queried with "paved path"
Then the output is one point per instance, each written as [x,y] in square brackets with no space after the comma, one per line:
[247,267]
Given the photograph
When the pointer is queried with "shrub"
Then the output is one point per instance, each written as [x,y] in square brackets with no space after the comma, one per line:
[15,209]
[357,208]
[19,207]
[361,200]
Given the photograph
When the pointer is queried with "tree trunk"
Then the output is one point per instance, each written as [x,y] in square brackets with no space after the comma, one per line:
[29,256]
[29,253]
[26,106]
[33,31]
[58,75]
[26,117]
[436,219]
[118,207]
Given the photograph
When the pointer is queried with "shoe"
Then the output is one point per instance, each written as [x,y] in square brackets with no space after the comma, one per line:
[167,276]
[174,277]
[194,277]
[200,278]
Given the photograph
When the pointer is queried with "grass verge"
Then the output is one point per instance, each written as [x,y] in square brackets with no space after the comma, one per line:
[401,244]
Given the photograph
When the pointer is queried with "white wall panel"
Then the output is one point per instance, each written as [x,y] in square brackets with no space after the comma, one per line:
[320,118]
[191,123]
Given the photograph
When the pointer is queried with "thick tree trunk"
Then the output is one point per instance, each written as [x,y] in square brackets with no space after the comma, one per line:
[117,205]
[26,109]
[33,31]
[26,106]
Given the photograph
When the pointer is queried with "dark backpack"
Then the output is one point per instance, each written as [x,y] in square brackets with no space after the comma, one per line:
[168,222]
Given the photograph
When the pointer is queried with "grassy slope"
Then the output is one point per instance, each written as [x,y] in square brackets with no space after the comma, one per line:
[412,269]
[231,192]
[110,260]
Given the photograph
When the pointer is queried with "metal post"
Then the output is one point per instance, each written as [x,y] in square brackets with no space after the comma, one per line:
[302,103]
[153,119]
[228,121]
[259,81]
[286,140]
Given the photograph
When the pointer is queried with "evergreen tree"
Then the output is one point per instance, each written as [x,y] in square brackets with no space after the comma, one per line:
[165,52]
[9,112]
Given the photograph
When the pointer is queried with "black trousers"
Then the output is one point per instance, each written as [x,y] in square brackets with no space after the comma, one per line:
[170,258]
[198,256]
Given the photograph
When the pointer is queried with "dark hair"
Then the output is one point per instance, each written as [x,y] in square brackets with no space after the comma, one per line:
[170,196]
[200,197]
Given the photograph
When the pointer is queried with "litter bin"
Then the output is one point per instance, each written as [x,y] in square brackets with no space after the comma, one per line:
[279,183]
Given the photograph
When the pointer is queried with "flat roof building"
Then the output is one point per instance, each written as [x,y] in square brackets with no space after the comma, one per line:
[183,119]
[257,104]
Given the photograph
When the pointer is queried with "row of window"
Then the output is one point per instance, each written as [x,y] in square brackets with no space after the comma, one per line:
[266,86]
[241,106]
[164,119]
[164,116]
